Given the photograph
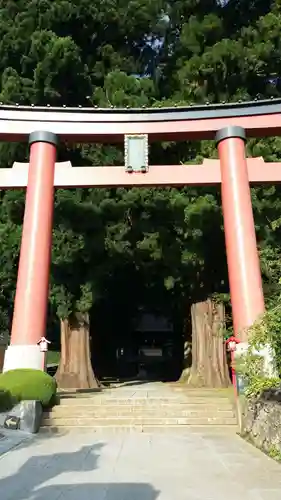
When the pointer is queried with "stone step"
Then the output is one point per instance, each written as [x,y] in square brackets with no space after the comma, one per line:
[142,409]
[144,403]
[98,401]
[150,429]
[169,392]
[134,421]
[177,395]
[101,412]
[159,386]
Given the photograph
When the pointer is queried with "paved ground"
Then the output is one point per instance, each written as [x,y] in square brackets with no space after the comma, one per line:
[195,465]
[11,439]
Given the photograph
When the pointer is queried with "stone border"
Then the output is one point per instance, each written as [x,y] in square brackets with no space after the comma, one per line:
[29,415]
[260,422]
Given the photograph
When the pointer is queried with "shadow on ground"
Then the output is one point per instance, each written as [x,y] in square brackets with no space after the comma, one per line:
[105,384]
[30,481]
[131,383]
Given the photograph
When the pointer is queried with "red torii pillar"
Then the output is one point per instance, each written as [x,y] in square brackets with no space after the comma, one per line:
[31,300]
[244,272]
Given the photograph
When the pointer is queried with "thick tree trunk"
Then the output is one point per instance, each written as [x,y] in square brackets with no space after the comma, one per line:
[75,369]
[209,366]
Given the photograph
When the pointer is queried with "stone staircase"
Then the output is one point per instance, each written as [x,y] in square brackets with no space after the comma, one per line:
[143,408]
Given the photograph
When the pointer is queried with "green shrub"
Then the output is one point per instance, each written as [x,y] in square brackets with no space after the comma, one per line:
[259,385]
[265,331]
[28,384]
[6,400]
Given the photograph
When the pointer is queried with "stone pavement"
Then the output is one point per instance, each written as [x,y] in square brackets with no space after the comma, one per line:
[11,439]
[198,465]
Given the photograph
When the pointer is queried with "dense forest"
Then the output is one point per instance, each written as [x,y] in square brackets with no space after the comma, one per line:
[117,250]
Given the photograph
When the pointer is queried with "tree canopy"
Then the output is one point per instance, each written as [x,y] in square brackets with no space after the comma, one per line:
[161,249]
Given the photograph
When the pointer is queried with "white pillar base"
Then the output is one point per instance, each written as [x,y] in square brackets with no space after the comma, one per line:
[241,349]
[24,356]
[266,352]
[269,366]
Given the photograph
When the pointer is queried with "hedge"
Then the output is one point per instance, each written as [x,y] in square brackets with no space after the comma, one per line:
[28,384]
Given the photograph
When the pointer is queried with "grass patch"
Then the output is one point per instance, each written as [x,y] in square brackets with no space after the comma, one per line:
[274,453]
[53,357]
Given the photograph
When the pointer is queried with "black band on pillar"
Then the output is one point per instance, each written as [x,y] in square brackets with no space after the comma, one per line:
[231,131]
[43,136]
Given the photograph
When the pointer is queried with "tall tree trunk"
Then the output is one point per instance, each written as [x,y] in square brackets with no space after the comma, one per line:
[75,369]
[209,366]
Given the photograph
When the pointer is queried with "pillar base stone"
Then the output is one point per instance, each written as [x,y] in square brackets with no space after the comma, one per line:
[24,356]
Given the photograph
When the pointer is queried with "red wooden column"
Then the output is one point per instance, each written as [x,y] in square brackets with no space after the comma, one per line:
[241,246]
[30,308]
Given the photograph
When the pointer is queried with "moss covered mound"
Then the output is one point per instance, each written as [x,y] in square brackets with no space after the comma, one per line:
[28,384]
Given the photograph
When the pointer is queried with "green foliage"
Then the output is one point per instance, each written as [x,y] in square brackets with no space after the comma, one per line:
[273,327]
[265,332]
[274,453]
[53,357]
[259,384]
[28,384]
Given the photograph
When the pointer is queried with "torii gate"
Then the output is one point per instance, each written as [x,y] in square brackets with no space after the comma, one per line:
[228,124]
